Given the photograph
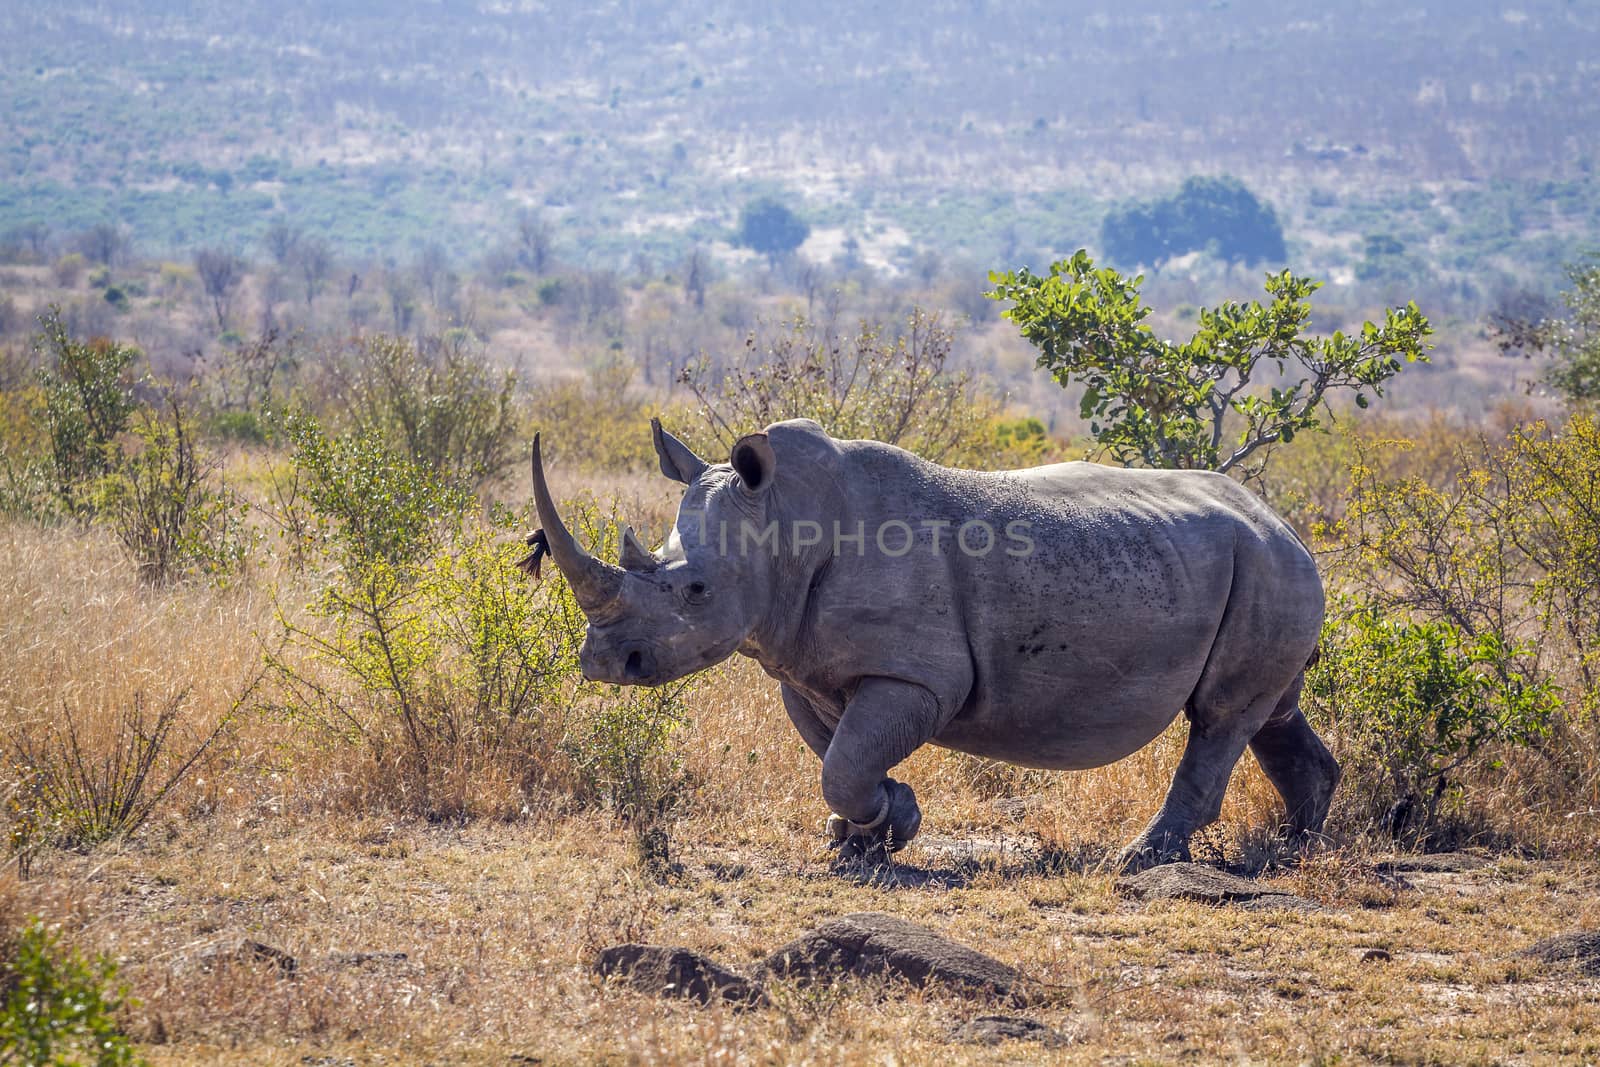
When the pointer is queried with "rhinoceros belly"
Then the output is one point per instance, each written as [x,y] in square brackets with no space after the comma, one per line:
[1062,708]
[1090,652]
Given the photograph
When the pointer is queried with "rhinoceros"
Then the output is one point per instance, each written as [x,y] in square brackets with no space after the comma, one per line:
[1056,617]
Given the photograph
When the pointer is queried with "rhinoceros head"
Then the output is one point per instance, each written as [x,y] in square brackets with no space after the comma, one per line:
[660,616]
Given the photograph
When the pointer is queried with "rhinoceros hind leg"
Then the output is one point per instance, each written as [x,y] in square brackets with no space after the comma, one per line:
[1216,741]
[1298,765]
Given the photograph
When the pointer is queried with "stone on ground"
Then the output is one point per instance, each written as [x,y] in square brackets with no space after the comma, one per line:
[869,944]
[1208,885]
[1581,950]
[993,1029]
[677,972]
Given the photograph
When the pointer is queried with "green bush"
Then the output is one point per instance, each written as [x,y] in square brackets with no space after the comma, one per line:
[89,402]
[59,1008]
[1572,341]
[375,507]
[244,427]
[166,516]
[1414,703]
[624,746]
[429,648]
[425,637]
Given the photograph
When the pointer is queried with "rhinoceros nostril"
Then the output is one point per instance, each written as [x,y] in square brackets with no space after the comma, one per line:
[634,668]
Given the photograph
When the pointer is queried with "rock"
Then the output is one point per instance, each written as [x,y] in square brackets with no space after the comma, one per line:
[1580,949]
[678,972]
[1196,881]
[1013,807]
[250,954]
[1432,863]
[993,1029]
[1377,955]
[875,944]
[358,959]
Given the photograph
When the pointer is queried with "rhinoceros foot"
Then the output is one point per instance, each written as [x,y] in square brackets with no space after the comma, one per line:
[1152,850]
[902,820]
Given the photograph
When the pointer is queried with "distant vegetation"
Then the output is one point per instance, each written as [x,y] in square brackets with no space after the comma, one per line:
[768,227]
[1218,216]
[988,134]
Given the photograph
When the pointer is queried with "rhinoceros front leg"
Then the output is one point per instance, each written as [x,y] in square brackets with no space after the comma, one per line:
[812,727]
[884,722]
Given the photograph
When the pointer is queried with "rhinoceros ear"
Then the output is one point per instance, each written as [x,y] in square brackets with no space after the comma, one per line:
[678,462]
[754,461]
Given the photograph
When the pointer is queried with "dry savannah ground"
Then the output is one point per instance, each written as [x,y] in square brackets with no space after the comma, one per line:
[472,940]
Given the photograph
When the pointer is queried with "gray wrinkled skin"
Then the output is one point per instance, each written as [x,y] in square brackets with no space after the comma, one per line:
[1142,593]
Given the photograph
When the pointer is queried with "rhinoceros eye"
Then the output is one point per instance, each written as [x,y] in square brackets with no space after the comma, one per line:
[696,593]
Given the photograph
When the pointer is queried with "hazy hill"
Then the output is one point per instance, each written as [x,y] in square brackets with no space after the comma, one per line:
[987,129]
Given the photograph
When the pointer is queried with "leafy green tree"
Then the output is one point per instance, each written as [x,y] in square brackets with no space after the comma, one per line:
[1215,215]
[1573,340]
[770,228]
[1192,405]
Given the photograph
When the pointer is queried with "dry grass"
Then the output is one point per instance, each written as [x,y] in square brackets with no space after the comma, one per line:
[498,920]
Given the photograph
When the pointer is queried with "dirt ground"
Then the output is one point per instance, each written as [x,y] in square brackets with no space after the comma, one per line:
[416,944]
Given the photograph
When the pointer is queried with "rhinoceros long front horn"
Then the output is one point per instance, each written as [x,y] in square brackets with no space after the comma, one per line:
[594,582]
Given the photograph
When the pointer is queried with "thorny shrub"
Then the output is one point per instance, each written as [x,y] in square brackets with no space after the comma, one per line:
[440,403]
[165,513]
[1483,579]
[603,423]
[71,789]
[901,387]
[1510,546]
[89,401]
